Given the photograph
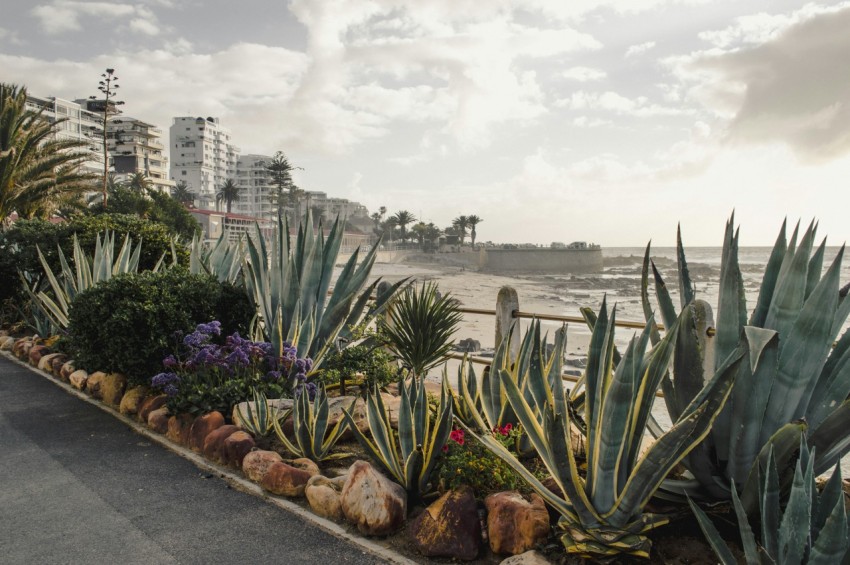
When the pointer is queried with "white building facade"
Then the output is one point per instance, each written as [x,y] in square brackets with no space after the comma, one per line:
[80,125]
[202,155]
[135,147]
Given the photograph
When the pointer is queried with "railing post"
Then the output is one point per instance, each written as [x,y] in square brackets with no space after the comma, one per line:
[507,302]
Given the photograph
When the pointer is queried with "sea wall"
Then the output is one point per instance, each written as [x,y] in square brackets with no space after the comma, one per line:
[541,260]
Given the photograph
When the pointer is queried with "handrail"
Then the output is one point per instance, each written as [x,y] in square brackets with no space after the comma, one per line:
[555,318]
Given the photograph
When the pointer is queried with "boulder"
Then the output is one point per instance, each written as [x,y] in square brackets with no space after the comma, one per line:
[66,370]
[6,343]
[201,428]
[179,426]
[35,353]
[286,480]
[372,502]
[324,496]
[94,384]
[468,345]
[112,389]
[21,347]
[57,363]
[132,400]
[150,404]
[78,379]
[256,464]
[45,363]
[532,557]
[235,448]
[158,420]
[449,527]
[514,524]
[214,442]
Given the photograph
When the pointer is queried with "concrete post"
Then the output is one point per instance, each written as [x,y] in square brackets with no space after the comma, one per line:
[507,302]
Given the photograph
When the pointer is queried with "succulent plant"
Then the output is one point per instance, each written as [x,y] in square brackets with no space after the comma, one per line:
[223,259]
[799,375]
[410,455]
[259,417]
[312,437]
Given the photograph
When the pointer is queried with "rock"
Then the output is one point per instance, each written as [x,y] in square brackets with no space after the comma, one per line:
[323,495]
[256,464]
[132,400]
[21,347]
[35,353]
[468,345]
[449,527]
[45,363]
[57,363]
[7,343]
[514,524]
[372,502]
[179,427]
[94,383]
[285,480]
[279,404]
[150,404]
[214,442]
[112,389]
[201,428]
[78,379]
[532,557]
[235,448]
[158,420]
[66,371]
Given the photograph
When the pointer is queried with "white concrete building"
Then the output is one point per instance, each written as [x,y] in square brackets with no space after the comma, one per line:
[202,155]
[256,183]
[135,147]
[81,125]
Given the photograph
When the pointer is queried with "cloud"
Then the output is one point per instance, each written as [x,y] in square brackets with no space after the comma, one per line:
[609,101]
[640,48]
[62,16]
[793,88]
[584,74]
[587,122]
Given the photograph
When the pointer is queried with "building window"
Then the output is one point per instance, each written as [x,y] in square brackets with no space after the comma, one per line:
[183,173]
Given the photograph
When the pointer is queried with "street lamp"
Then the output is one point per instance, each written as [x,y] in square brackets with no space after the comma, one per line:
[108,85]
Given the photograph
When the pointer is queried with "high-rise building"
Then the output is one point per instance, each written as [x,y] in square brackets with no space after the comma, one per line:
[256,184]
[203,156]
[80,125]
[135,147]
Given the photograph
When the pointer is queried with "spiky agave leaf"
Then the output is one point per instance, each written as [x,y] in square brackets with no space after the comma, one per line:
[312,438]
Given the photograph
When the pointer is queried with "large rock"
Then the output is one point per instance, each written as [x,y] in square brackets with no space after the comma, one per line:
[532,557]
[21,347]
[256,464]
[288,480]
[449,527]
[94,384]
[112,389]
[6,343]
[235,448]
[36,352]
[372,502]
[56,364]
[178,428]
[214,442]
[202,427]
[515,524]
[66,370]
[132,400]
[78,379]
[158,420]
[45,363]
[324,496]
[150,404]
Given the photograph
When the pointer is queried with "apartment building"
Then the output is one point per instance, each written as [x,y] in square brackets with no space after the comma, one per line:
[256,184]
[202,155]
[135,147]
[80,125]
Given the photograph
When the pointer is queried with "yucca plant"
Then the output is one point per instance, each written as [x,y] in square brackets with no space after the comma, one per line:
[812,529]
[421,327]
[410,455]
[290,284]
[800,376]
[258,418]
[312,438]
[602,514]
[222,259]
[87,272]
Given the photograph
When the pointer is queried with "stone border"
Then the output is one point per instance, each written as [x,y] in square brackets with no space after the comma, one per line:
[238,482]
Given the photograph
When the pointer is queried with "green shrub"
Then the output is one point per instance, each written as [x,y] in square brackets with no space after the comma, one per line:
[127,324]
[468,462]
[375,363]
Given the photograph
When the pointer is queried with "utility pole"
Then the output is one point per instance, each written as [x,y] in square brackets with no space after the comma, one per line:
[108,85]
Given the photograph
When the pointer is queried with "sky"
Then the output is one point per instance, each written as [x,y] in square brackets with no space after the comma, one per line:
[609,121]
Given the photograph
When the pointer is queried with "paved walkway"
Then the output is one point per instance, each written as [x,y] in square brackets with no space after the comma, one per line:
[78,486]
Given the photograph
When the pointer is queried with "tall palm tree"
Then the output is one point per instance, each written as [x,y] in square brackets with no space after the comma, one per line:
[286,193]
[228,193]
[419,231]
[473,221]
[402,218]
[460,224]
[182,194]
[139,182]
[38,169]
[389,226]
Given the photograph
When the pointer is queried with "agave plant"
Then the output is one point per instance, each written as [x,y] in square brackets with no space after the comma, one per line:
[223,259]
[602,514]
[813,528]
[290,284]
[312,438]
[87,272]
[800,376]
[410,455]
[421,327]
[258,418]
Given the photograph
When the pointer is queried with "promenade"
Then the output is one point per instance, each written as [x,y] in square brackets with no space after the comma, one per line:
[79,486]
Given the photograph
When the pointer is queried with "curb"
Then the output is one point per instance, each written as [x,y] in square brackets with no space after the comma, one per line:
[236,481]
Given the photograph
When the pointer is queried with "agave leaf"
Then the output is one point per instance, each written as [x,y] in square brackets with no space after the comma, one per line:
[795,526]
[686,286]
[815,268]
[748,540]
[791,286]
[830,438]
[713,537]
[665,303]
[779,450]
[654,336]
[597,373]
[768,282]
[831,542]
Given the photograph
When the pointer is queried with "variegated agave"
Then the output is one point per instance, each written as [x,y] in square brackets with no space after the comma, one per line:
[812,529]
[311,436]
[798,387]
[410,455]
[602,514]
[258,418]
[222,259]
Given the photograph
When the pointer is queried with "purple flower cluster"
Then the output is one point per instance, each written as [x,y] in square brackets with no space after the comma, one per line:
[167,382]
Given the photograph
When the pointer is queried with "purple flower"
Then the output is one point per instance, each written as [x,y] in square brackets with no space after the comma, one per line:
[273,376]
[169,362]
[170,390]
[213,328]
[163,380]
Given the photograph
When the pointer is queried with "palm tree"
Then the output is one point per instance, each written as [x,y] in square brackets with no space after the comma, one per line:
[460,224]
[419,231]
[139,182]
[228,193]
[318,213]
[38,169]
[286,193]
[473,221]
[389,225]
[182,194]
[402,218]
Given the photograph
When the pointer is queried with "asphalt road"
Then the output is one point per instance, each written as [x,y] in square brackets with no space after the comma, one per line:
[78,486]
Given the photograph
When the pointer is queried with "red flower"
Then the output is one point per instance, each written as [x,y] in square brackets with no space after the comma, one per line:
[457,436]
